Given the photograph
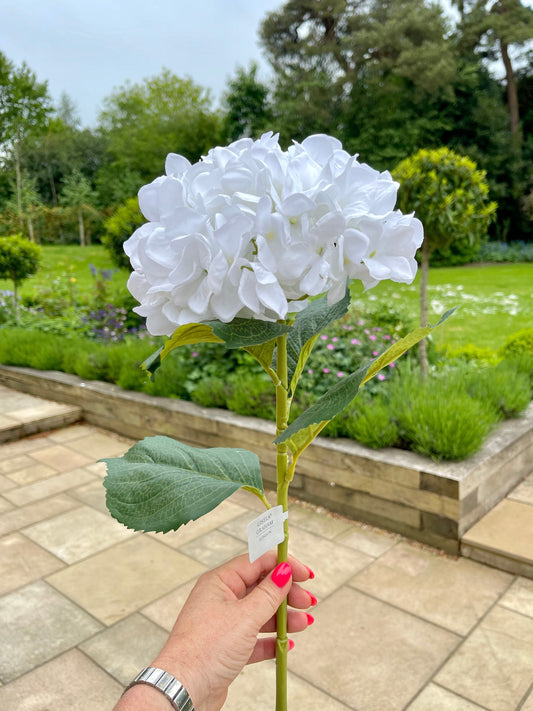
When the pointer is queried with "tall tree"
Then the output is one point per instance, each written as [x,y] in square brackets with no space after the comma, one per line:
[495,28]
[146,121]
[24,107]
[247,110]
[372,72]
[78,195]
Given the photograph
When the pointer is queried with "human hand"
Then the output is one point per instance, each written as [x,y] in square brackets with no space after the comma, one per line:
[216,632]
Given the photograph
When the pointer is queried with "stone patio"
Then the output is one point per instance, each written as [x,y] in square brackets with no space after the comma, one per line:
[85,603]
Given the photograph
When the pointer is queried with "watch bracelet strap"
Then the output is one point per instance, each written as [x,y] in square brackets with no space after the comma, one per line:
[168,685]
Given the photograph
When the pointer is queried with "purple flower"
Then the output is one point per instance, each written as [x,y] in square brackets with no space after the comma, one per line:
[335,339]
[340,374]
[381,376]
[387,337]
[324,337]
[194,354]
[372,337]
[355,342]
[310,371]
[392,365]
[330,347]
[375,353]
[325,370]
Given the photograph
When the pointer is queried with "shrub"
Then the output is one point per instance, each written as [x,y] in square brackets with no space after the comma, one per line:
[519,342]
[450,195]
[211,392]
[252,395]
[445,425]
[523,363]
[19,259]
[118,228]
[7,307]
[504,389]
[369,422]
[472,353]
[502,252]
[436,418]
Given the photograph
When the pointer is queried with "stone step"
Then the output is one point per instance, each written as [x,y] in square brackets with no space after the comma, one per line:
[22,415]
[503,538]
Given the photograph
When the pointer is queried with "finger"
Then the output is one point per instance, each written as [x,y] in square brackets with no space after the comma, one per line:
[300,598]
[265,648]
[263,601]
[240,575]
[296,622]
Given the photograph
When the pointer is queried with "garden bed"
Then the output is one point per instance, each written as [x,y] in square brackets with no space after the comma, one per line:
[401,491]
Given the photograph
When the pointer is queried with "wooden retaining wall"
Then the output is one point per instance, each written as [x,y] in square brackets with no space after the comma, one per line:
[401,491]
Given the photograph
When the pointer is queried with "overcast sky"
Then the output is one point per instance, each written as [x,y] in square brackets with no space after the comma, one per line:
[89,47]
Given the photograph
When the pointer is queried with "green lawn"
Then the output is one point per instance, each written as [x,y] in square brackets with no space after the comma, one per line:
[494,300]
[68,262]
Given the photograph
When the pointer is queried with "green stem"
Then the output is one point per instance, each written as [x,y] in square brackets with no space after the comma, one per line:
[282,417]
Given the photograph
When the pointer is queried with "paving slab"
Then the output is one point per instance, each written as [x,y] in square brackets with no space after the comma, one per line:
[368,654]
[493,665]
[38,623]
[450,592]
[71,682]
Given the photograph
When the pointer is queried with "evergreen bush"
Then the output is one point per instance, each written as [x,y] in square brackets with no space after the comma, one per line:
[121,225]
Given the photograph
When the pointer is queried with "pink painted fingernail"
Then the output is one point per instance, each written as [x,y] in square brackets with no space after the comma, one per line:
[311,574]
[281,574]
[291,644]
[313,598]
[310,618]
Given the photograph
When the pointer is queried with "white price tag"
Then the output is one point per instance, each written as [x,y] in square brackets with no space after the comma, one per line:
[265,532]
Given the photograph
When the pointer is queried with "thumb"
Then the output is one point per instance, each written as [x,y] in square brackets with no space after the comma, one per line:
[263,601]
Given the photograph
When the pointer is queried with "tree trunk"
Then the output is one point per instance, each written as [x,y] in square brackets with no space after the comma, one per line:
[19,188]
[81,227]
[512,95]
[30,229]
[16,300]
[424,270]
[52,185]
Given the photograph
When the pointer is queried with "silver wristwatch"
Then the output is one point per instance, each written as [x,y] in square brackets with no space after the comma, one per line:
[173,689]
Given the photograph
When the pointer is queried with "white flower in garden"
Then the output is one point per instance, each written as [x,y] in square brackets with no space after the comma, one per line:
[251,231]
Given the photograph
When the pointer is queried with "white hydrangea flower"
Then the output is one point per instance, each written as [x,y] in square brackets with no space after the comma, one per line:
[252,231]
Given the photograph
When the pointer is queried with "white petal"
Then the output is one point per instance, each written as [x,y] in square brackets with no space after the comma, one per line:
[296,204]
[248,292]
[149,201]
[176,165]
[320,147]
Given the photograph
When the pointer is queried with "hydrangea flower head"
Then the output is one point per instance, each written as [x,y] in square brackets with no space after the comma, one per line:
[252,231]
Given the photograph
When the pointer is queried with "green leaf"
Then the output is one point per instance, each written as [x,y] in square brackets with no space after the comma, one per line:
[306,328]
[239,333]
[244,332]
[190,333]
[161,484]
[300,433]
[152,363]
[324,409]
[263,353]
[399,348]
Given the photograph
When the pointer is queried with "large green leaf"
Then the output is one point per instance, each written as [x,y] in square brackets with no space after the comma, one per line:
[161,484]
[243,332]
[306,328]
